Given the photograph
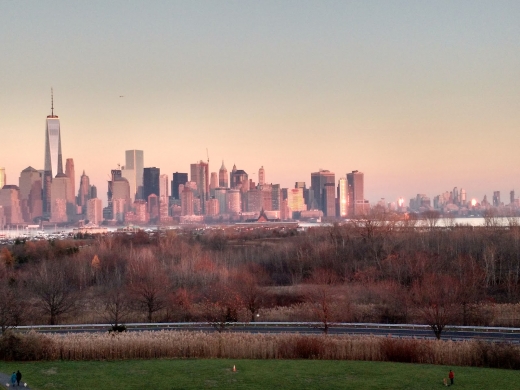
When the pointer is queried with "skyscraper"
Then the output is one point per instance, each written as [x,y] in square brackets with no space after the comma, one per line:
[318,181]
[261,175]
[178,178]
[133,172]
[163,186]
[329,200]
[356,196]
[151,182]
[223,178]
[69,171]
[342,198]
[53,159]
[213,183]
[199,173]
[30,194]
[84,191]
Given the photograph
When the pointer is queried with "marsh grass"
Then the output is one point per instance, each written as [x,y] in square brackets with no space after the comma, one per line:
[202,345]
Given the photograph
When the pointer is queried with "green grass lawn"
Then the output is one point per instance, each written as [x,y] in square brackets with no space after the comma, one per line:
[254,374]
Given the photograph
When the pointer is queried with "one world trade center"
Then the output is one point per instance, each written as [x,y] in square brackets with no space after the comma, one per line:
[53,159]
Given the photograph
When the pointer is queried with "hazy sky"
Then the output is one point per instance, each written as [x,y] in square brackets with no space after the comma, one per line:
[421,96]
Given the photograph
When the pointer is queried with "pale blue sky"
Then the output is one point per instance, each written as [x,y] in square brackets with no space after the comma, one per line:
[422,96]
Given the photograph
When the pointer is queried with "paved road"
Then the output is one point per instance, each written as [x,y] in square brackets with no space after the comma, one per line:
[379,330]
[5,379]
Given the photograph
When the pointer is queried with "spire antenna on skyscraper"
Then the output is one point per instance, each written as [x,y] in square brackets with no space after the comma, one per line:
[52,102]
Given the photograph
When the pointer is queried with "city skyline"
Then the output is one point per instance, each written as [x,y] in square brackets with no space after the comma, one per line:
[419,97]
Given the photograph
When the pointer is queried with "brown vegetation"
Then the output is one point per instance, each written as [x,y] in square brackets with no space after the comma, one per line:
[178,344]
[370,270]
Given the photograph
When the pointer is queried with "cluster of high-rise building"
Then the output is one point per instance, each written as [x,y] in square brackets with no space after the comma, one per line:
[141,195]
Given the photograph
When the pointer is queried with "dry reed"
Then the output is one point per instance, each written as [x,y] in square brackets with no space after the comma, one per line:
[186,344]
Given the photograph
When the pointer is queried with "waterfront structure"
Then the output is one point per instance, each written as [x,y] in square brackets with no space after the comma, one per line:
[94,211]
[151,182]
[53,164]
[30,185]
[178,179]
[133,171]
[318,181]
[223,178]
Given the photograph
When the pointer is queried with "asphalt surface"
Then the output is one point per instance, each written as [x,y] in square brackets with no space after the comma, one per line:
[306,329]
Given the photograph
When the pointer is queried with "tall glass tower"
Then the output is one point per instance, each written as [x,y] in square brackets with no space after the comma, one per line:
[53,159]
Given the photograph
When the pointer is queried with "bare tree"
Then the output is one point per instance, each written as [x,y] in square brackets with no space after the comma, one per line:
[221,304]
[246,283]
[116,300]
[149,286]
[12,305]
[321,294]
[437,300]
[431,218]
[52,286]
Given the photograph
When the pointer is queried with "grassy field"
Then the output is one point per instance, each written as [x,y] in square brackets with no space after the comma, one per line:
[253,374]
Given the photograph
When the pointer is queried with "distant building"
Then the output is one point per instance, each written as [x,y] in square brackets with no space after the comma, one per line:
[177,180]
[221,197]
[261,175]
[342,198]
[187,206]
[2,177]
[83,192]
[223,181]
[329,199]
[95,211]
[61,208]
[30,184]
[10,203]
[69,172]
[151,182]
[233,201]
[199,173]
[53,157]
[133,171]
[356,194]
[318,181]
[213,183]
[496,198]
